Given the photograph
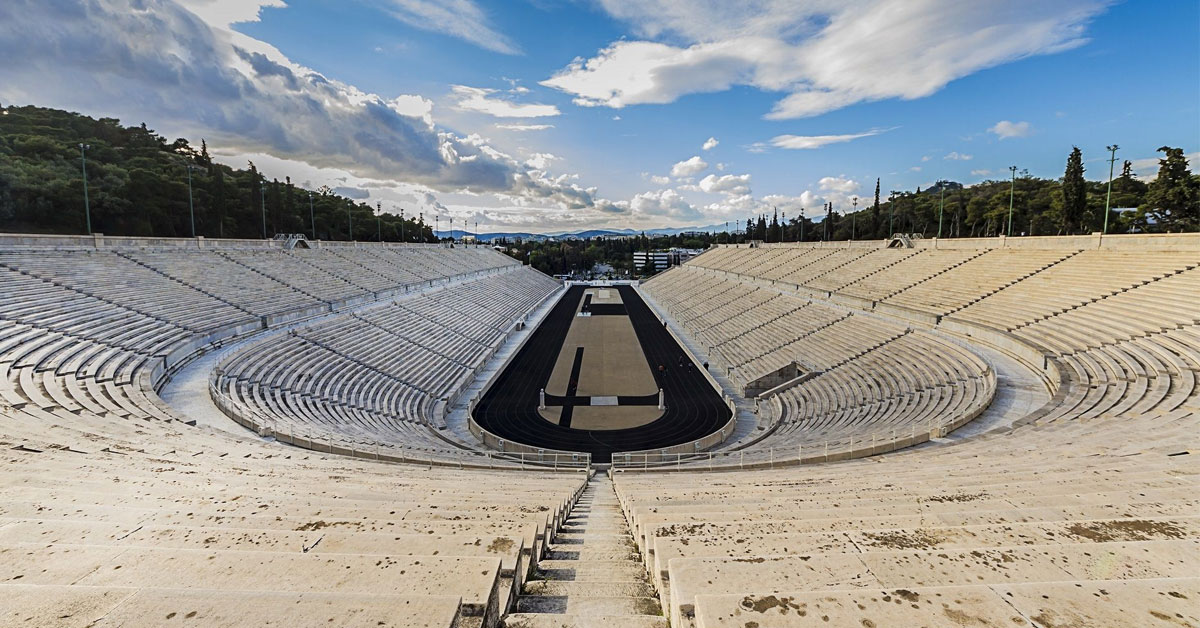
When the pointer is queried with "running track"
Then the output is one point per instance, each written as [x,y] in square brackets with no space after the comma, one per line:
[509,409]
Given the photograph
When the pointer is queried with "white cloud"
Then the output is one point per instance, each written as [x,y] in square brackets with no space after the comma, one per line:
[225,13]
[663,204]
[838,185]
[809,142]
[1006,129]
[915,169]
[458,18]
[710,144]
[926,158]
[982,172]
[812,50]
[658,179]
[689,167]
[957,156]
[525,127]
[540,161]
[479,99]
[159,63]
[733,184]
[616,118]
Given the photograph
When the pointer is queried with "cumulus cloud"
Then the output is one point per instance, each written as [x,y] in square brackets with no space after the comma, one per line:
[156,61]
[689,167]
[957,156]
[481,100]
[809,142]
[357,194]
[540,161]
[710,144]
[657,179]
[733,184]
[1006,129]
[812,50]
[463,19]
[663,204]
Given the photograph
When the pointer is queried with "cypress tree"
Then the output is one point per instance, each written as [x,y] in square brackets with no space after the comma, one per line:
[1074,191]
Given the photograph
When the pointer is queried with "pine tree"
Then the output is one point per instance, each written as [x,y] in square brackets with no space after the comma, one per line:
[1074,191]
[1173,198]
[875,210]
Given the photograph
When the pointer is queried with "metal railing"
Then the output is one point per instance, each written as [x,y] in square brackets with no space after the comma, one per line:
[323,441]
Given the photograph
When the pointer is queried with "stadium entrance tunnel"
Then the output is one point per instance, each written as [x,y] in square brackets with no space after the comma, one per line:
[588,380]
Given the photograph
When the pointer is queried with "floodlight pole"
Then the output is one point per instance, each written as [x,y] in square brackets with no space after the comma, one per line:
[941,207]
[1108,199]
[891,212]
[191,206]
[402,238]
[1011,191]
[378,221]
[350,219]
[312,217]
[262,189]
[87,209]
[854,218]
[801,224]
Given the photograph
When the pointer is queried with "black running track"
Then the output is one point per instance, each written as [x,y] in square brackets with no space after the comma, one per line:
[509,409]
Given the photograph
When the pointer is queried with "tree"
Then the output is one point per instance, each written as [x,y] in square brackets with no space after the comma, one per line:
[1074,191]
[1172,200]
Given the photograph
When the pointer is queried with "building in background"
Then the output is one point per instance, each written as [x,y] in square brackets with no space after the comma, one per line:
[663,259]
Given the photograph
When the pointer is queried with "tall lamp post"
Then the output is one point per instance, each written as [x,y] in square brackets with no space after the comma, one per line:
[378,221]
[87,209]
[402,238]
[262,188]
[191,205]
[350,218]
[1108,199]
[854,218]
[312,217]
[801,224]
[941,206]
[1012,186]
[891,212]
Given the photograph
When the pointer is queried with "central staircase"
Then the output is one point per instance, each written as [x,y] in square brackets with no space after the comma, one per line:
[592,577]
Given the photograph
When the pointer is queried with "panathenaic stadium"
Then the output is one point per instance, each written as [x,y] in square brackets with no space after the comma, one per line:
[985,432]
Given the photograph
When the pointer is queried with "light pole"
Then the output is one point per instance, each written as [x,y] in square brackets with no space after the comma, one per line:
[783,229]
[941,206]
[1011,191]
[191,206]
[262,188]
[1108,199]
[891,212]
[378,221]
[854,219]
[350,218]
[801,224]
[87,209]
[437,226]
[402,238]
[312,217]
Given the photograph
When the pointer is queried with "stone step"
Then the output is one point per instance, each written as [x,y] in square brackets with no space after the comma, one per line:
[589,605]
[579,552]
[602,571]
[588,589]
[524,620]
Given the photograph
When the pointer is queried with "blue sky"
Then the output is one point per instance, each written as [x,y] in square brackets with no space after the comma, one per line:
[556,114]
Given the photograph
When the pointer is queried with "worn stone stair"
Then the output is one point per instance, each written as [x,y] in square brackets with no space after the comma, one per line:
[592,577]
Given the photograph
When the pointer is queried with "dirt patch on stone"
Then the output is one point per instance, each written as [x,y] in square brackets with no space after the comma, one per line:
[956,497]
[764,604]
[500,545]
[902,539]
[1126,530]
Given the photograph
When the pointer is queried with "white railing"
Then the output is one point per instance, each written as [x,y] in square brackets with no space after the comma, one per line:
[806,450]
[323,441]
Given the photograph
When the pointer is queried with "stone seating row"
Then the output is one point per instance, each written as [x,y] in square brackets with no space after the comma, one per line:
[1080,279]
[378,375]
[134,539]
[986,512]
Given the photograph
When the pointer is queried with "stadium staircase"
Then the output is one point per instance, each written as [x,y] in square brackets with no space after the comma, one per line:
[592,577]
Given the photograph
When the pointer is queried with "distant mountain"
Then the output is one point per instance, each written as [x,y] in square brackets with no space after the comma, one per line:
[588,233]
